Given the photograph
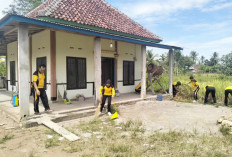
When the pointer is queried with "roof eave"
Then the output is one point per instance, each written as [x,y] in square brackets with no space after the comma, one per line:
[11,17]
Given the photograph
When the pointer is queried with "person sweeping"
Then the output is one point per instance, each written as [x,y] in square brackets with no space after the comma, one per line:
[175,86]
[210,89]
[107,92]
[195,86]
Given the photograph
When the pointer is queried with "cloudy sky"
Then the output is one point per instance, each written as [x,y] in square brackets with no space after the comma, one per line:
[201,25]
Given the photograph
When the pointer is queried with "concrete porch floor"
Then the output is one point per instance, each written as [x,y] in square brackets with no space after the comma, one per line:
[60,107]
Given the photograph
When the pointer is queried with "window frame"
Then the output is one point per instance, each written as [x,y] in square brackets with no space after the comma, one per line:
[67,76]
[12,80]
[128,84]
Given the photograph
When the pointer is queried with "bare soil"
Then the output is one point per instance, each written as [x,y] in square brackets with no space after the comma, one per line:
[154,116]
[172,115]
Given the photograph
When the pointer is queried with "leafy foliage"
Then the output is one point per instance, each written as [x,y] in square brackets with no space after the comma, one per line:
[2,66]
[22,7]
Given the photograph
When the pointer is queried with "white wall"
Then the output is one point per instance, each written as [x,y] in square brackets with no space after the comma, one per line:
[74,45]
[67,44]
[81,46]
[127,52]
[12,55]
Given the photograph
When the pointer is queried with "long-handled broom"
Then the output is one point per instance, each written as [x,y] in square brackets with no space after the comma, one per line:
[115,115]
[98,109]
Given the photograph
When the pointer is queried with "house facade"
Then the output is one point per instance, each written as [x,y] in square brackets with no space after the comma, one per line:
[82,43]
[75,63]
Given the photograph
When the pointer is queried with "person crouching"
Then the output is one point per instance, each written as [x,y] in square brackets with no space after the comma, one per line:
[175,86]
[210,89]
[107,92]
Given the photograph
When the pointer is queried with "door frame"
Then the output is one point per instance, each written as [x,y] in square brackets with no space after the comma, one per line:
[114,66]
[37,68]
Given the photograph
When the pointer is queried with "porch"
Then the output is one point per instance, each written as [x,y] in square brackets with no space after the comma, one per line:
[63,112]
[21,31]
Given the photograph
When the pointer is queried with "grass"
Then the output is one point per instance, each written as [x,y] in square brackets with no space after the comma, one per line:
[51,142]
[6,138]
[219,81]
[173,143]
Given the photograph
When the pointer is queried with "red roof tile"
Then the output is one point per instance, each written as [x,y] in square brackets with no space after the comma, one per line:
[96,13]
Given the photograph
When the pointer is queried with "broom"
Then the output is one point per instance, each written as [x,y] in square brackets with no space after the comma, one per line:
[115,115]
[98,110]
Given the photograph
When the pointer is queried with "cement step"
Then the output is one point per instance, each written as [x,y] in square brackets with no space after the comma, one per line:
[60,116]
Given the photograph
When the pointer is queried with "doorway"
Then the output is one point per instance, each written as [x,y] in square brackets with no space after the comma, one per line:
[40,61]
[107,70]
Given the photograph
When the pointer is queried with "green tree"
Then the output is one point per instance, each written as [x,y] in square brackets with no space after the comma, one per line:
[202,59]
[193,55]
[186,63]
[22,7]
[214,59]
[2,66]
[227,64]
[151,56]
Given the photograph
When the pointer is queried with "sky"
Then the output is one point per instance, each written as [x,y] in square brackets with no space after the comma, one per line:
[204,26]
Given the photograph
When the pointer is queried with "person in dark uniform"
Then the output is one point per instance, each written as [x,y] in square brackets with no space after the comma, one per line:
[195,86]
[107,91]
[210,89]
[39,90]
[228,91]
[175,86]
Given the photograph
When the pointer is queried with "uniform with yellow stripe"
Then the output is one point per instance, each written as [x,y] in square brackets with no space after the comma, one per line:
[195,86]
[175,86]
[39,79]
[228,91]
[107,91]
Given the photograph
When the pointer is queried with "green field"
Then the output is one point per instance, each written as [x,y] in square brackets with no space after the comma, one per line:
[219,81]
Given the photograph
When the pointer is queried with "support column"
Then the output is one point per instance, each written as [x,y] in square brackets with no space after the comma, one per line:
[30,50]
[143,72]
[6,83]
[116,65]
[97,66]
[171,59]
[23,70]
[53,65]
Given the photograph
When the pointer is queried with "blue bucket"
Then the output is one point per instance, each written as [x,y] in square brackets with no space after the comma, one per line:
[15,98]
[159,97]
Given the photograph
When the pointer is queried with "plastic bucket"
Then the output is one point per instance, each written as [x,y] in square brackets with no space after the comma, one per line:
[15,98]
[159,97]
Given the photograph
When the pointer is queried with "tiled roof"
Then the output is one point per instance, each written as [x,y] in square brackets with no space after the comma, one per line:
[95,13]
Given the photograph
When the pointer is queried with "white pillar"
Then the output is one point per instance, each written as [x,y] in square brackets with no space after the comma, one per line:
[97,66]
[143,72]
[23,70]
[170,70]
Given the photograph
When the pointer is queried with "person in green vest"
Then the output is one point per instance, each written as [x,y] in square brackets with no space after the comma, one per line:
[210,89]
[228,91]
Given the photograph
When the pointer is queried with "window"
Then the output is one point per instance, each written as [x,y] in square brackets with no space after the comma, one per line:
[128,73]
[76,73]
[12,73]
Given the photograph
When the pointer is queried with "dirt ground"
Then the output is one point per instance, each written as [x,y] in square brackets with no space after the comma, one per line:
[155,116]
[174,115]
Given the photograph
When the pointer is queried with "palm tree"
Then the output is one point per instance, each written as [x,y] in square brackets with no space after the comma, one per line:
[150,56]
[202,59]
[193,55]
[215,58]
